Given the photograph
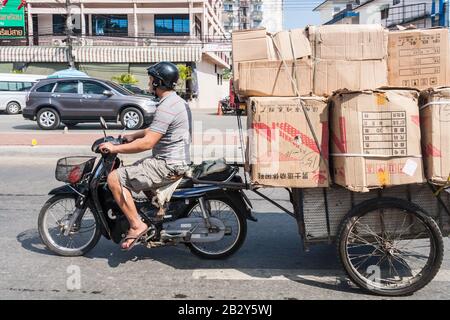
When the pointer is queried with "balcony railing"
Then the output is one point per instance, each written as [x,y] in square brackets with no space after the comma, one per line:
[401,15]
[142,40]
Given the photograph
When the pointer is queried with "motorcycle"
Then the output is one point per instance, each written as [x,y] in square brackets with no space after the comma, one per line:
[206,209]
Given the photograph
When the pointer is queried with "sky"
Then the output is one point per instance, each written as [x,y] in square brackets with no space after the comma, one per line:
[298,13]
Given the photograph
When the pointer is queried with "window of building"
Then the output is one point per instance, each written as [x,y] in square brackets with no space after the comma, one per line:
[172,24]
[109,25]
[384,13]
[228,7]
[257,7]
[93,88]
[46,88]
[67,87]
[59,24]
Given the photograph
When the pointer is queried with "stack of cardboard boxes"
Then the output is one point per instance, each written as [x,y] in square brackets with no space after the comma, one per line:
[330,83]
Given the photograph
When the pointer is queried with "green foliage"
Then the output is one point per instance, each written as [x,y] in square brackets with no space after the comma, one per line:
[185,72]
[227,74]
[125,78]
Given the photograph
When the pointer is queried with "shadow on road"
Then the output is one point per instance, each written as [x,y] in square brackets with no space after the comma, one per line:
[269,251]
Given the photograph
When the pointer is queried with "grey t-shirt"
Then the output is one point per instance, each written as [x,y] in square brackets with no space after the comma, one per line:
[173,119]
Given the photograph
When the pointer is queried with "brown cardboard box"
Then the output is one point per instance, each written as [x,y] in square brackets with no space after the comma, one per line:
[281,149]
[375,139]
[251,45]
[292,44]
[270,78]
[419,58]
[435,126]
[259,45]
[332,75]
[349,42]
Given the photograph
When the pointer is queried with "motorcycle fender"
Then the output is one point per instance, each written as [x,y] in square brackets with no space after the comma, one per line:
[66,189]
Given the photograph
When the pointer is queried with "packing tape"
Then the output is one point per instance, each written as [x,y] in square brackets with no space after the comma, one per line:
[372,155]
[441,103]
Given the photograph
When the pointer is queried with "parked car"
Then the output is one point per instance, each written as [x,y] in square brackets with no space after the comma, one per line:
[135,89]
[75,100]
[13,90]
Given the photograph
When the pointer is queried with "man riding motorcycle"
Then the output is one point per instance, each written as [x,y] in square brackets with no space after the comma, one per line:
[169,138]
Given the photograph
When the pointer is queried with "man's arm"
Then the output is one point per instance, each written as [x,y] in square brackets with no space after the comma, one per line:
[136,135]
[147,142]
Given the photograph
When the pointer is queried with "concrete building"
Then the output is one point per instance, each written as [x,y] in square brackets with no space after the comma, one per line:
[390,13]
[110,37]
[251,14]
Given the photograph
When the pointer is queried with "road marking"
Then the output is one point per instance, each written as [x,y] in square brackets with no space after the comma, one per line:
[322,275]
[268,275]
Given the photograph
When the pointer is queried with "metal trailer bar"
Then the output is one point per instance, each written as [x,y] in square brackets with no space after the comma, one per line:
[279,206]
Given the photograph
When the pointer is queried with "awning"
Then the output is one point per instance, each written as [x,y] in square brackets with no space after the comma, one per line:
[137,54]
[33,54]
[102,54]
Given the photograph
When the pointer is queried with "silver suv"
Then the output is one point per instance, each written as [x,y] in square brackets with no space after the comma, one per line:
[75,100]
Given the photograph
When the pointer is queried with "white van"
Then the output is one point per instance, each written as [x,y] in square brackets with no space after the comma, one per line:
[14,89]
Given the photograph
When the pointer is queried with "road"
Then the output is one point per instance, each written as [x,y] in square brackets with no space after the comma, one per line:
[202,122]
[270,265]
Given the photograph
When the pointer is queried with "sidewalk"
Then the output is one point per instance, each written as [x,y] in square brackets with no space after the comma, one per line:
[204,146]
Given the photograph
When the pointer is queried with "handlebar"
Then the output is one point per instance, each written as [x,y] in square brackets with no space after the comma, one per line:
[115,141]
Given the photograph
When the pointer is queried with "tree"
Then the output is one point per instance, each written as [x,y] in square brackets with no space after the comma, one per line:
[227,74]
[185,76]
[125,78]
[185,72]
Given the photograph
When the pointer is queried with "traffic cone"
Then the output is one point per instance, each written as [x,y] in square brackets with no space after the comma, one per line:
[219,109]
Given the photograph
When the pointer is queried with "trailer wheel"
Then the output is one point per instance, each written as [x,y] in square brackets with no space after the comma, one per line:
[390,247]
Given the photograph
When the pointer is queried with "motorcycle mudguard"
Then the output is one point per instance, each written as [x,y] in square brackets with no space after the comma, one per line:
[65,189]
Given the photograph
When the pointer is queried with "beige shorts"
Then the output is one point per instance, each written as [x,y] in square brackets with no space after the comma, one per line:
[146,174]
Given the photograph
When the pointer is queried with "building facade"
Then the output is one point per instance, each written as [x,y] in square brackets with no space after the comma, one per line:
[390,13]
[251,14]
[108,37]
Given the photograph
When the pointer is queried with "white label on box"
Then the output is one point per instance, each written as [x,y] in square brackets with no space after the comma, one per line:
[410,167]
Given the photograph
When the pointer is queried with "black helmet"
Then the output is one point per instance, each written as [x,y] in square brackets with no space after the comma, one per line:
[165,75]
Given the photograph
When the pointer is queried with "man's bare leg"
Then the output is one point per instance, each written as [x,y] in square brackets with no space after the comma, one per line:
[126,204]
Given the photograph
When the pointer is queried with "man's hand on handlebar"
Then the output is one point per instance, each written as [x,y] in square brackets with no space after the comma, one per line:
[128,138]
[107,147]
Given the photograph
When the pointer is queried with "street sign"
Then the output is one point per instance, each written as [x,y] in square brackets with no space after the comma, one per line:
[12,19]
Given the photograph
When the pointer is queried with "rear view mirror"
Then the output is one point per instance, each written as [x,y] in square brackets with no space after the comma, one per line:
[107,93]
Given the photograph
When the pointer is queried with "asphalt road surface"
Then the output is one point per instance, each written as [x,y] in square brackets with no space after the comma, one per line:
[270,265]
[201,122]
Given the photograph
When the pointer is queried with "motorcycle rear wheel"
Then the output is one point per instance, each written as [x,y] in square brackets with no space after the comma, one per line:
[222,208]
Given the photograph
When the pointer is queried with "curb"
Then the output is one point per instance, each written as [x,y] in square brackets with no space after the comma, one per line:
[230,153]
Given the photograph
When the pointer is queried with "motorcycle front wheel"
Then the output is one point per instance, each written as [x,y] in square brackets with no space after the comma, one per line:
[52,217]
[235,222]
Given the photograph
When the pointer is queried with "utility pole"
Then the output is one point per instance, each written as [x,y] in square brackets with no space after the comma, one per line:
[69,33]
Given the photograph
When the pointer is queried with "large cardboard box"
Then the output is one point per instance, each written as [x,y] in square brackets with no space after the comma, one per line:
[272,78]
[251,45]
[281,150]
[259,45]
[292,44]
[375,139]
[333,75]
[349,42]
[419,58]
[435,125]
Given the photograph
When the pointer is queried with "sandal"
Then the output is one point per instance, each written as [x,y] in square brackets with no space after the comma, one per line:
[136,240]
